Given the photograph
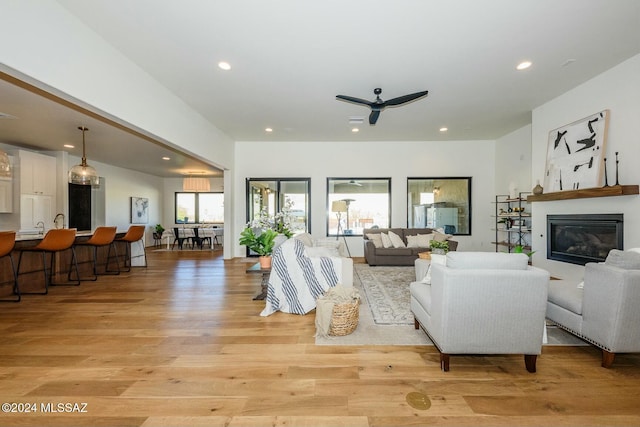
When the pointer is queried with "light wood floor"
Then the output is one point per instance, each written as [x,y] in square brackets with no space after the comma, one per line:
[182,343]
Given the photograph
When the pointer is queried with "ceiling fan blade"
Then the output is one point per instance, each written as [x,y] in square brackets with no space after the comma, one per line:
[373,117]
[354,100]
[406,98]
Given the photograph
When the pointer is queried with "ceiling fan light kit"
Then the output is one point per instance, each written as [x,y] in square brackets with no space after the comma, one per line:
[379,105]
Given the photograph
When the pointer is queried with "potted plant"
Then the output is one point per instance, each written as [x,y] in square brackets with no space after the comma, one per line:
[260,242]
[159,230]
[519,249]
[438,247]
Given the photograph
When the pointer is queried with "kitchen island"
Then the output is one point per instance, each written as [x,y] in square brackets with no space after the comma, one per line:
[31,278]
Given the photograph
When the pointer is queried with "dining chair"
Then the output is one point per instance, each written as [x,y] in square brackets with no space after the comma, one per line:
[54,242]
[178,238]
[7,243]
[200,239]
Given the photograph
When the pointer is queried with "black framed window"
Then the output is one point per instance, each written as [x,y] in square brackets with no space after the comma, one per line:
[277,195]
[440,202]
[199,208]
[354,204]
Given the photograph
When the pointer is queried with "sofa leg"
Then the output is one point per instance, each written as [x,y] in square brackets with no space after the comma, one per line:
[444,362]
[530,362]
[416,324]
[607,358]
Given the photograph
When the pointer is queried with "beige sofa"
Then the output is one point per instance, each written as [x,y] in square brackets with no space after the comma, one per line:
[379,255]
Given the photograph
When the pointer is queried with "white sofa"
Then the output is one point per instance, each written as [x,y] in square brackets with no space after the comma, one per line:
[302,270]
[604,310]
[483,303]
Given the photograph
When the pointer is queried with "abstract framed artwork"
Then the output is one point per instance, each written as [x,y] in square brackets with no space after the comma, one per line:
[139,210]
[575,154]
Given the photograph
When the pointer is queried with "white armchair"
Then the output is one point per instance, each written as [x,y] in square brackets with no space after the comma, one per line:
[604,311]
[301,273]
[483,303]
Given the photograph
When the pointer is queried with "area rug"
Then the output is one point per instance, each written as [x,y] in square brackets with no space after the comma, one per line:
[369,332]
[392,309]
[387,290]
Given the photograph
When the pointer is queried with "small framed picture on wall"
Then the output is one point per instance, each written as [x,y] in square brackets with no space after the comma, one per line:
[139,210]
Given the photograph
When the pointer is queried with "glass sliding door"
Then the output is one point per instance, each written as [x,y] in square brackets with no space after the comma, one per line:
[274,195]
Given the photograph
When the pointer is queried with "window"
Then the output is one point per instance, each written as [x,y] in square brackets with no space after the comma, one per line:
[274,194]
[440,203]
[355,204]
[198,208]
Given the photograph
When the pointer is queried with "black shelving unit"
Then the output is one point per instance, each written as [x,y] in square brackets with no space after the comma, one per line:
[512,222]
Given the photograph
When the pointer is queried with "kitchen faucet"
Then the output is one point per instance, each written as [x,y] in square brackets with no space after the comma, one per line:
[40,223]
[55,220]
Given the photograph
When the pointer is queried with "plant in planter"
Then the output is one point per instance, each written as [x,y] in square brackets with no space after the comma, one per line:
[438,247]
[519,249]
[259,241]
[159,229]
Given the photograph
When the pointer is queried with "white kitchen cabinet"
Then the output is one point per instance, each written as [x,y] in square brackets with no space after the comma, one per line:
[35,208]
[37,173]
[6,195]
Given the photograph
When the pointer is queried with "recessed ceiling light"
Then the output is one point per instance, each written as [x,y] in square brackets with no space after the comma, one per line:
[224,65]
[444,129]
[268,130]
[69,146]
[523,65]
[355,130]
[166,158]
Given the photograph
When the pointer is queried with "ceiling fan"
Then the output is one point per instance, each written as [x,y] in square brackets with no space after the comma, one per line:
[378,105]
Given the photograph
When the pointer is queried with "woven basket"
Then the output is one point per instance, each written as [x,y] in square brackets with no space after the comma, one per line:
[424,255]
[344,319]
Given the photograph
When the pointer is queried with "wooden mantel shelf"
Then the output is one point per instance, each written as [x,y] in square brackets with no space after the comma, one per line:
[612,190]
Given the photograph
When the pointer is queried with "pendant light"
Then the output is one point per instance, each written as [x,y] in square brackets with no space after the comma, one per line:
[83,174]
[196,184]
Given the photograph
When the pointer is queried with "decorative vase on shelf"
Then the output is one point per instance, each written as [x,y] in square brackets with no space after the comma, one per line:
[537,190]
[265,262]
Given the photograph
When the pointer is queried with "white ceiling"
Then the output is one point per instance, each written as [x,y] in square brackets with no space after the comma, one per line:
[290,58]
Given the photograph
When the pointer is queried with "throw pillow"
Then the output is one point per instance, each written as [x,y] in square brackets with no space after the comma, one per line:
[424,240]
[627,260]
[412,242]
[396,240]
[435,259]
[386,241]
[376,239]
[440,237]
[305,238]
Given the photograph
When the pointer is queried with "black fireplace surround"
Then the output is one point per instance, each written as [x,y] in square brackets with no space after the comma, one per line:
[583,238]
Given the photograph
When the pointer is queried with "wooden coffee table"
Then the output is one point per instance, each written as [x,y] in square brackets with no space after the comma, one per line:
[255,268]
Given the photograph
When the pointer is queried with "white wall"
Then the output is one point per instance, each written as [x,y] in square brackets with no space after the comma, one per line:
[397,160]
[618,90]
[50,48]
[513,161]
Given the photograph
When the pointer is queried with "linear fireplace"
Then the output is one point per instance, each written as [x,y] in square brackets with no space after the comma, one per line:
[579,239]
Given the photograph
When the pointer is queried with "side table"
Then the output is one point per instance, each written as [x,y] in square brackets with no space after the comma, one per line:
[255,268]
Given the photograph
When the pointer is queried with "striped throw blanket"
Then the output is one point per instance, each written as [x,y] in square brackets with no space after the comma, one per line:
[297,280]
